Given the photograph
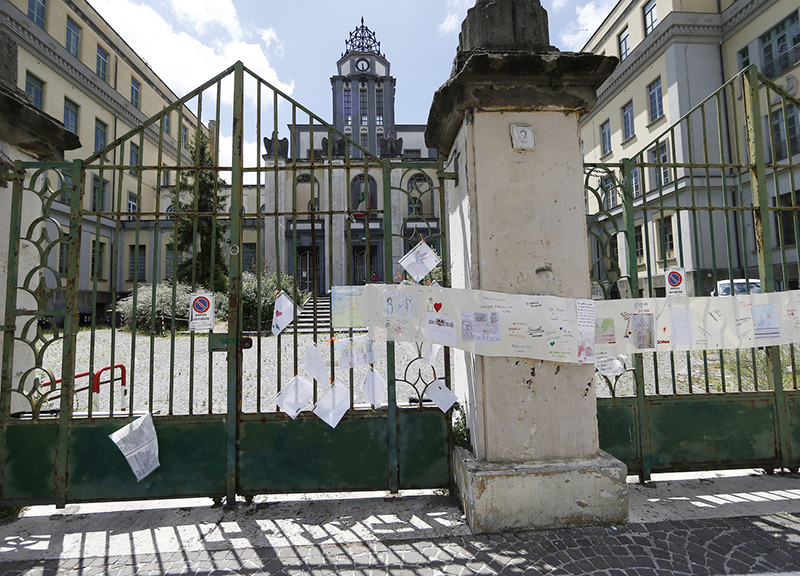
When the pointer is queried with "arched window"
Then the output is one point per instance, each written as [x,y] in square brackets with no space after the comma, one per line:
[420,195]
[359,198]
[304,194]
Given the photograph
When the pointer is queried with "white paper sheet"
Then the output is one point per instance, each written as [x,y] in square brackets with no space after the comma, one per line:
[420,261]
[294,397]
[354,352]
[283,314]
[315,366]
[374,388]
[682,333]
[441,396]
[138,443]
[333,405]
[432,353]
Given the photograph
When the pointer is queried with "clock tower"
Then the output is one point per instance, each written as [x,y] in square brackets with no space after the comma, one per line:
[363,91]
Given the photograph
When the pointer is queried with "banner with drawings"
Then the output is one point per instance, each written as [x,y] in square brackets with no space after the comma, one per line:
[576,331]
[486,323]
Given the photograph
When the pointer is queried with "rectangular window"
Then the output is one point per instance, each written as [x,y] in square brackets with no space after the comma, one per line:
[136,92]
[781,145]
[63,257]
[362,106]
[99,194]
[364,141]
[348,106]
[744,58]
[35,88]
[137,263]
[36,11]
[102,64]
[185,137]
[780,47]
[639,241]
[787,220]
[133,205]
[627,121]
[650,17]
[165,178]
[412,153]
[73,42]
[659,156]
[613,251]
[379,107]
[636,183]
[134,157]
[666,239]
[605,138]
[609,193]
[100,129]
[173,259]
[624,44]
[656,103]
[70,115]
[98,258]
[165,124]
[66,194]
[249,256]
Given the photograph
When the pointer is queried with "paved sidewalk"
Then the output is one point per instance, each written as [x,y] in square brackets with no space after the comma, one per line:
[716,525]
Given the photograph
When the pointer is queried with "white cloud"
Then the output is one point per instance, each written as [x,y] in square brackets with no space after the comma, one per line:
[179,58]
[557,5]
[589,17]
[203,14]
[456,12]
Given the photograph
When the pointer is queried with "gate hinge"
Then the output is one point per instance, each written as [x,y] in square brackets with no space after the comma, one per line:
[446,175]
[219,342]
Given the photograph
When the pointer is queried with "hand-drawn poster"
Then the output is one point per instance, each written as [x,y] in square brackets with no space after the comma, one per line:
[138,443]
[643,329]
[344,307]
[283,314]
[766,322]
[604,332]
[354,352]
[682,332]
[480,326]
[420,261]
[587,320]
[398,304]
[440,328]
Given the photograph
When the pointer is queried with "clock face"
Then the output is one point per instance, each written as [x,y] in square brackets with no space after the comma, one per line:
[362,64]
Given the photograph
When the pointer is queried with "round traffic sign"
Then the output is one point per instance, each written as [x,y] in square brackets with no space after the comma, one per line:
[675,279]
[201,304]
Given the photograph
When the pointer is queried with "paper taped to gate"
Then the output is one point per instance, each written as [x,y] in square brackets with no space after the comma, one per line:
[138,443]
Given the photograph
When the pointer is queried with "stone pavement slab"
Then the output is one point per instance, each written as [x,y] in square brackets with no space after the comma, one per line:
[716,524]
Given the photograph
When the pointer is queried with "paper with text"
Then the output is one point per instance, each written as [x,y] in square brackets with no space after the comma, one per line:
[138,443]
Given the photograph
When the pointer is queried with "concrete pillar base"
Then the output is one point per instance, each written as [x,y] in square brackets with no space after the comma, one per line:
[504,496]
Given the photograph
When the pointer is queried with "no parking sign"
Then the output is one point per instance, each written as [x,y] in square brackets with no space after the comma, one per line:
[201,312]
[675,281]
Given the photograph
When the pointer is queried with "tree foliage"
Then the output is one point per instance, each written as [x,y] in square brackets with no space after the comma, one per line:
[197,231]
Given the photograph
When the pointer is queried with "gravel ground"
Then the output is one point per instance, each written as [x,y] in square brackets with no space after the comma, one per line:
[198,380]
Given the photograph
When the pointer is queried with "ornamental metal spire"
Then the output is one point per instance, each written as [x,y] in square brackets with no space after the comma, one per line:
[362,39]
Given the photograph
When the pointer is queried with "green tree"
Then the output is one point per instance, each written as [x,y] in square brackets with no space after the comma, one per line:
[202,187]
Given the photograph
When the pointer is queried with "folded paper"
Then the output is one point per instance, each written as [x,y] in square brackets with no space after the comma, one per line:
[139,444]
[441,395]
[314,365]
[294,397]
[374,388]
[333,405]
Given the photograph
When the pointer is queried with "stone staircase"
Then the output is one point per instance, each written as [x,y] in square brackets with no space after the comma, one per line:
[304,324]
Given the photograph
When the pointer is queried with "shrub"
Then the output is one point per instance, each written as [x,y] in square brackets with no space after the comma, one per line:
[252,297]
[164,307]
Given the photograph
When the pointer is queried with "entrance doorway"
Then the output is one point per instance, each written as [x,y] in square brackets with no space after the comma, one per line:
[360,271]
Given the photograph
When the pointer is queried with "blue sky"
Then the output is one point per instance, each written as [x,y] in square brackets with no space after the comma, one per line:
[295,44]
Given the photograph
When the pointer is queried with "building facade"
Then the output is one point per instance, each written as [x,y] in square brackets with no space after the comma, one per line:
[77,69]
[673,55]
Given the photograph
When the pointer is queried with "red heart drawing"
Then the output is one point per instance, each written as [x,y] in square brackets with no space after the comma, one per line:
[437,307]
[278,313]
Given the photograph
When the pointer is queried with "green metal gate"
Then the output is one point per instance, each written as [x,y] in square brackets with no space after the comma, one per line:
[716,193]
[100,269]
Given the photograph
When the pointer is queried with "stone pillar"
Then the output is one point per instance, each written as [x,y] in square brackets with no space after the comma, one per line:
[507,123]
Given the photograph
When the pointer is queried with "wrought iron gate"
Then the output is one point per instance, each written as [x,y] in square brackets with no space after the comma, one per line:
[124,237]
[716,193]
